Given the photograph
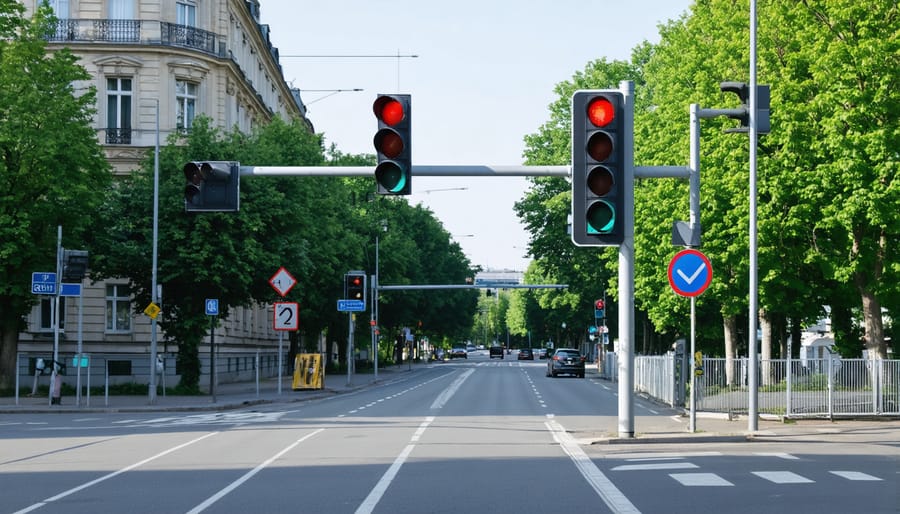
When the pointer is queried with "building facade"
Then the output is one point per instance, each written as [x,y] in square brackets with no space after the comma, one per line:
[165,60]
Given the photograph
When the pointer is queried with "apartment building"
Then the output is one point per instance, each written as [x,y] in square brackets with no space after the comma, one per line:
[166,60]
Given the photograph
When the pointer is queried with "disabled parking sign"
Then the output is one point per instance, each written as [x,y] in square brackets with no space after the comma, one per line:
[690,272]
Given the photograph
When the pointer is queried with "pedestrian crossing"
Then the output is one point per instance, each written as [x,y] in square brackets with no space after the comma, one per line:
[681,469]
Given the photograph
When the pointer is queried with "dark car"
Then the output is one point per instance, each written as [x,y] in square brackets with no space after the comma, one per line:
[459,353]
[496,351]
[566,361]
[525,354]
[542,353]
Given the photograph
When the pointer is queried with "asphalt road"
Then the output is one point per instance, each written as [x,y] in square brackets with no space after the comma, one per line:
[475,435]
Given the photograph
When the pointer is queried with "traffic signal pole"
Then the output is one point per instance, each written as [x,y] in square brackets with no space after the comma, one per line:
[461,170]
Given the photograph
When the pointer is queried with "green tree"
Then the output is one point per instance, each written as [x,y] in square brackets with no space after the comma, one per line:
[52,169]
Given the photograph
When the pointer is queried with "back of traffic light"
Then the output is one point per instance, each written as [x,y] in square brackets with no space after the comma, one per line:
[742,90]
[599,161]
[212,186]
[393,149]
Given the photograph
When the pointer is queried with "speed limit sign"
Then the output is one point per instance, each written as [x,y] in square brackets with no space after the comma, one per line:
[286,316]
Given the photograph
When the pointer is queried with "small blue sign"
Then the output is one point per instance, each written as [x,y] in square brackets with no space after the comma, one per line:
[351,305]
[43,283]
[690,272]
[70,290]
[212,307]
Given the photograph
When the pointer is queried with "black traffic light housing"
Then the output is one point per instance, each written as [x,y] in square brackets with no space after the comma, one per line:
[212,186]
[599,143]
[393,173]
[355,286]
[74,265]
[762,106]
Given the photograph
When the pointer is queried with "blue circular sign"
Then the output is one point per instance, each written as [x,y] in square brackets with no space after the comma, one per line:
[690,272]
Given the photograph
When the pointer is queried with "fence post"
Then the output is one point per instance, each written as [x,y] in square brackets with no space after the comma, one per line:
[830,389]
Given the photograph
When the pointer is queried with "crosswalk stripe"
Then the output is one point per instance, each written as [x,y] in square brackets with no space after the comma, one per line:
[656,466]
[782,477]
[700,479]
[854,475]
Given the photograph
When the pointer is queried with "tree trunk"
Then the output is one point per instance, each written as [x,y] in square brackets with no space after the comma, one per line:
[8,351]
[766,367]
[731,336]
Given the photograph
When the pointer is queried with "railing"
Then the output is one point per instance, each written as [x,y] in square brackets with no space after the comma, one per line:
[831,387]
[136,31]
[118,136]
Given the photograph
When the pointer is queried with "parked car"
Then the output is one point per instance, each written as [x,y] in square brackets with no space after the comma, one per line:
[496,351]
[542,353]
[459,353]
[566,361]
[525,354]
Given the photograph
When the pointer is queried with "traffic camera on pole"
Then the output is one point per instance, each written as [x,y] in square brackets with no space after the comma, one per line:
[743,115]
[599,140]
[212,186]
[393,172]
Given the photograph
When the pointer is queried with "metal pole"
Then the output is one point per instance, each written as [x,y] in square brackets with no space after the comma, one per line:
[375,344]
[753,385]
[153,298]
[626,281]
[80,347]
[350,349]
[280,359]
[212,358]
[693,422]
[54,375]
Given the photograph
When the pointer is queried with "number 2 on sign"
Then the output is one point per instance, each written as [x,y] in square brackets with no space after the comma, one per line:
[286,316]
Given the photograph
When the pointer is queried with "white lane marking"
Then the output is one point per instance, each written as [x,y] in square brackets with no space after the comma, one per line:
[663,455]
[368,505]
[450,391]
[612,496]
[700,479]
[111,475]
[658,465]
[782,477]
[234,485]
[855,475]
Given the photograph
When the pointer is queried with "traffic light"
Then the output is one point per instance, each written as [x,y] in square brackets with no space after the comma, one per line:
[600,145]
[393,172]
[74,265]
[598,309]
[762,106]
[212,186]
[355,286]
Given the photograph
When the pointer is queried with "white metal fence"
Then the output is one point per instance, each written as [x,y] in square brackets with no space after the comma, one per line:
[830,387]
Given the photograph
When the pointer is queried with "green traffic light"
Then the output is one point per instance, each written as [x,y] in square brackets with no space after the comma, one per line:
[601,217]
[390,176]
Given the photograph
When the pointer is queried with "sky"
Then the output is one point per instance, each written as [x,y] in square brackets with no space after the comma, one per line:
[482,78]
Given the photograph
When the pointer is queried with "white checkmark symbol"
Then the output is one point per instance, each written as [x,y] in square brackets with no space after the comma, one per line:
[693,277]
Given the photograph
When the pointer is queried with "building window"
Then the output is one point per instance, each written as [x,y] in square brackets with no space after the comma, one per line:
[60,8]
[186,99]
[118,308]
[46,322]
[121,9]
[186,13]
[118,111]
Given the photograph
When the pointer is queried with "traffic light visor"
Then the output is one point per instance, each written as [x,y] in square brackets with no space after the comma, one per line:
[388,110]
[600,112]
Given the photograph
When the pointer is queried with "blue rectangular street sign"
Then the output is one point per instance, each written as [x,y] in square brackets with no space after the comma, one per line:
[70,290]
[43,283]
[351,305]
[212,307]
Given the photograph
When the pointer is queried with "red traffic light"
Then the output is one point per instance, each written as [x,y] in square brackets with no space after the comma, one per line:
[388,110]
[599,305]
[601,112]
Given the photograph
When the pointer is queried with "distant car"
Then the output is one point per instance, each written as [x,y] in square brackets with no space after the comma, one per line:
[566,361]
[542,353]
[525,354]
[459,353]
[496,351]
[470,347]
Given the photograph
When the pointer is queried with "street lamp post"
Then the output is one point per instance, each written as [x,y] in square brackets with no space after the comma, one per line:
[153,295]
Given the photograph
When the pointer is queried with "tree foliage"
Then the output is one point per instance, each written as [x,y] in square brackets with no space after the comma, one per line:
[52,170]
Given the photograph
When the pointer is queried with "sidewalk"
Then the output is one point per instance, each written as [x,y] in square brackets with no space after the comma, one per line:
[227,396]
